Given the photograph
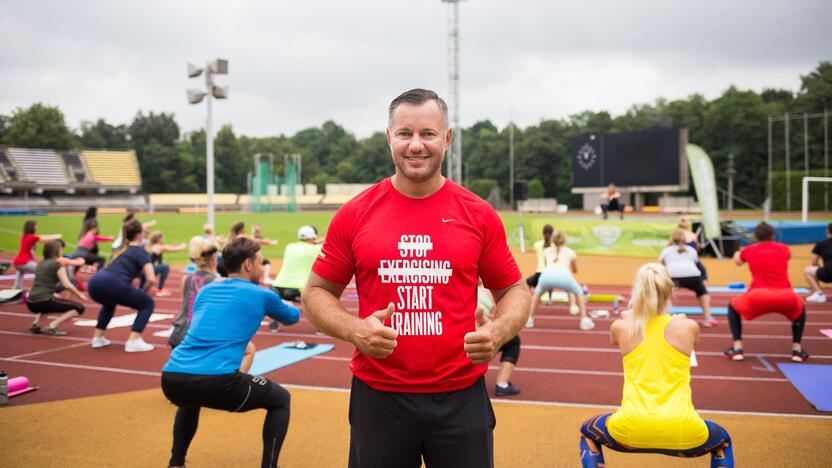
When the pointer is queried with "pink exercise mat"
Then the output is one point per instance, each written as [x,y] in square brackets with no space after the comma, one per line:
[19,386]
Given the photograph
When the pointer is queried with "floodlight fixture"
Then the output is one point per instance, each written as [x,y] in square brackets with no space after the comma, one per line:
[219,92]
[193,70]
[219,67]
[195,96]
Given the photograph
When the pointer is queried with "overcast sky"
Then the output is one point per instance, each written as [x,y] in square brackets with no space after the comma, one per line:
[296,64]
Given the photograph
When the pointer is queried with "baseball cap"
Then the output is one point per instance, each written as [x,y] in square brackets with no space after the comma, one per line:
[306,233]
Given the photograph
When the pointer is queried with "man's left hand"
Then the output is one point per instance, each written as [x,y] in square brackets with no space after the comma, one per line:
[482,344]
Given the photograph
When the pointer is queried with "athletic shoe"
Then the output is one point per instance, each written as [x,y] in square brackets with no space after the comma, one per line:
[574,309]
[816,297]
[162,293]
[530,322]
[35,328]
[100,342]
[590,459]
[506,391]
[274,326]
[799,356]
[709,322]
[54,331]
[734,354]
[137,346]
[586,324]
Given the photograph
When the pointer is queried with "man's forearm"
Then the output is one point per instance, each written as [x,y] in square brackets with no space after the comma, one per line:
[326,312]
[512,311]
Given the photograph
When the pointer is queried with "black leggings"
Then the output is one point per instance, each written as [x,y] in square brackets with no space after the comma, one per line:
[109,290]
[53,305]
[735,321]
[238,393]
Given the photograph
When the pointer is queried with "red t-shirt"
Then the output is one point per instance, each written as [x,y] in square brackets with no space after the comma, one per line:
[769,264]
[424,255]
[27,249]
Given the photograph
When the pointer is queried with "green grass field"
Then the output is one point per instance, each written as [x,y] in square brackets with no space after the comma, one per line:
[181,227]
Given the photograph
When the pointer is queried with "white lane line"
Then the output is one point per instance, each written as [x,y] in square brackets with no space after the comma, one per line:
[703,335]
[784,323]
[766,366]
[579,349]
[50,350]
[85,367]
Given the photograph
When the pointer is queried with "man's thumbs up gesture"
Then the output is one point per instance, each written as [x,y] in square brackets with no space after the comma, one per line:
[482,344]
[373,338]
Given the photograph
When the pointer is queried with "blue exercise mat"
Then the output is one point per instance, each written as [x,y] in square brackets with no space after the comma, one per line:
[727,289]
[695,310]
[284,354]
[813,381]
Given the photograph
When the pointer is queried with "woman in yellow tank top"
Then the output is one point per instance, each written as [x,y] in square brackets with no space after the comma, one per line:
[656,413]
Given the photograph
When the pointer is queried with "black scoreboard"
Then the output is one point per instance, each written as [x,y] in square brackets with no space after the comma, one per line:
[646,161]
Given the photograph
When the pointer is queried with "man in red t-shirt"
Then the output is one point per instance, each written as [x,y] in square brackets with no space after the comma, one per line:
[770,291]
[417,244]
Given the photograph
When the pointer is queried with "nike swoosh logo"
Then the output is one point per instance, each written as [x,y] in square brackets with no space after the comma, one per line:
[448,220]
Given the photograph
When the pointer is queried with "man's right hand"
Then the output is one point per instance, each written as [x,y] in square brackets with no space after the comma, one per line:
[373,338]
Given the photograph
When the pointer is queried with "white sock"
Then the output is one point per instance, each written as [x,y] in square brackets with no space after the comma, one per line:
[502,385]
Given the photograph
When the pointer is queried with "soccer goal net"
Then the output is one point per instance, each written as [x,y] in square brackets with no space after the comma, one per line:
[805,195]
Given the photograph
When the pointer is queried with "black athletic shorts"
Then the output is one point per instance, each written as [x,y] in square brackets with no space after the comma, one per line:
[824,274]
[533,279]
[511,350]
[694,283]
[237,392]
[53,305]
[289,294]
[449,429]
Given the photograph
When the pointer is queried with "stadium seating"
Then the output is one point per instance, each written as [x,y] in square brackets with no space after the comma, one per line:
[113,169]
[75,166]
[41,166]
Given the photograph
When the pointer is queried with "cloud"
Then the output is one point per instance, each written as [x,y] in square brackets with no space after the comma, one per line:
[297,64]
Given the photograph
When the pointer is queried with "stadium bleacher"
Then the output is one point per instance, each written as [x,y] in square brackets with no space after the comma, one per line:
[113,169]
[41,166]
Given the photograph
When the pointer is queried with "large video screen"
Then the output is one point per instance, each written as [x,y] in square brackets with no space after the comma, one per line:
[651,158]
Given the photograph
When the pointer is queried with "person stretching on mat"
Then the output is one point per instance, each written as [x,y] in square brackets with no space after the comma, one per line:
[156,247]
[680,260]
[611,196]
[24,262]
[509,352]
[88,245]
[817,273]
[204,370]
[693,241]
[656,413]
[111,286]
[560,259]
[770,291]
[42,299]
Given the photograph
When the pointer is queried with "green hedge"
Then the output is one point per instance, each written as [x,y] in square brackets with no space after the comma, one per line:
[816,190]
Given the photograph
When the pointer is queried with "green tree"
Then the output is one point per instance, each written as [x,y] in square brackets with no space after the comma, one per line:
[482,187]
[816,89]
[4,127]
[155,138]
[39,126]
[232,166]
[536,189]
[101,135]
[371,159]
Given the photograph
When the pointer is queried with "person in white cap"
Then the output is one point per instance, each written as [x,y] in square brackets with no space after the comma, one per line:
[298,258]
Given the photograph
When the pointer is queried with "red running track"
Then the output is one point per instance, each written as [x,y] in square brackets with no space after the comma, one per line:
[558,362]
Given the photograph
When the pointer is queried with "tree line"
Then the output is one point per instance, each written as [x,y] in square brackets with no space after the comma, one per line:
[172,161]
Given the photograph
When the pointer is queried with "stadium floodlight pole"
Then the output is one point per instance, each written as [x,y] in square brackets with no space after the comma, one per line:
[511,165]
[455,161]
[195,96]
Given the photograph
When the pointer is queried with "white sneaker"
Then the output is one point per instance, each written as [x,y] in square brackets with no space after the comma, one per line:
[574,309]
[530,322]
[100,342]
[137,346]
[587,324]
[816,297]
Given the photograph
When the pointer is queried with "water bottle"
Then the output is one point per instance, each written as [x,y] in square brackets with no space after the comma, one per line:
[4,387]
